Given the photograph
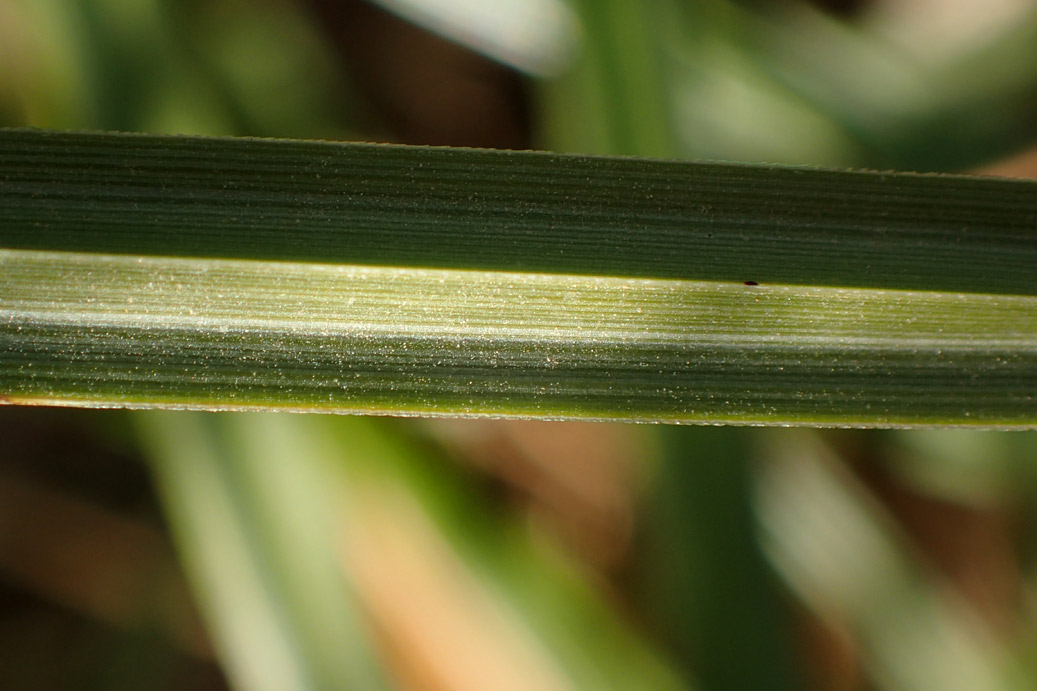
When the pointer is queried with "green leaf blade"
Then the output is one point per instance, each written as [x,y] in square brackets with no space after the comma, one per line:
[223,274]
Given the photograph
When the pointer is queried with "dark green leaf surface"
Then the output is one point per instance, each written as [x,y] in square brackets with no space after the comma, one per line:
[139,272]
[514,211]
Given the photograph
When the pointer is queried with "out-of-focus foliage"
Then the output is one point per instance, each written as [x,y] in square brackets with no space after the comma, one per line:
[324,552]
[187,66]
[783,82]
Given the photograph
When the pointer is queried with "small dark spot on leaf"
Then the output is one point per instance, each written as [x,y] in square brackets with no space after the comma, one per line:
[751,283]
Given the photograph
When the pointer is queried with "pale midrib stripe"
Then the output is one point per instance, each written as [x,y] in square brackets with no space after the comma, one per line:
[555,335]
[250,295]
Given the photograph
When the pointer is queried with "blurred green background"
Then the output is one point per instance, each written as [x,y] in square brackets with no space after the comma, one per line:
[259,551]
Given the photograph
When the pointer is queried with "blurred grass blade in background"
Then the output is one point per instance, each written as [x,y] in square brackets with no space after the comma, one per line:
[838,549]
[253,514]
[262,506]
[614,99]
[789,83]
[464,282]
[535,36]
[704,579]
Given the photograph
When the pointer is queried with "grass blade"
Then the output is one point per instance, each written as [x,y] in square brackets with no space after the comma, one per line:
[139,272]
[256,534]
